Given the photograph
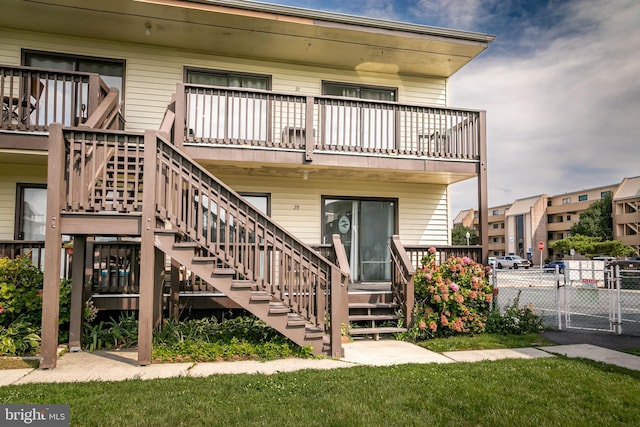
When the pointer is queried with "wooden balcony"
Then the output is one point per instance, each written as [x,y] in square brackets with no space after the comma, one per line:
[298,129]
[33,98]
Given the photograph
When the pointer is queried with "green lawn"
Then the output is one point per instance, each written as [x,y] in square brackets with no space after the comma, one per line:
[534,392]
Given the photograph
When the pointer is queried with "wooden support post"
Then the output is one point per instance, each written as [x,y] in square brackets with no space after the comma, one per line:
[52,249]
[180,116]
[338,317]
[309,140]
[174,294]
[483,206]
[77,291]
[158,273]
[147,251]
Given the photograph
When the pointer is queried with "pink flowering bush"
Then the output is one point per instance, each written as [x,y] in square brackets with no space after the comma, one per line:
[452,298]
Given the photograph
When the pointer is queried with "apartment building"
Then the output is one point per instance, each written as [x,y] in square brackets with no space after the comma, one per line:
[518,228]
[278,154]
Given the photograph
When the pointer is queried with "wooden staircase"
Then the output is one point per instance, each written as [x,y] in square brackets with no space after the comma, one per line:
[245,293]
[374,314]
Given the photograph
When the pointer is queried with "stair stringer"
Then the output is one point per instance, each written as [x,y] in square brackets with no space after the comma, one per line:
[264,306]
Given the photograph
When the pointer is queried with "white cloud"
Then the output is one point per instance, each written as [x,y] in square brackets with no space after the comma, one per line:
[563,116]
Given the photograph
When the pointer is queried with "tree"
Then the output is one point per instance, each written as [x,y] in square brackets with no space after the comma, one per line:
[592,246]
[596,220]
[459,236]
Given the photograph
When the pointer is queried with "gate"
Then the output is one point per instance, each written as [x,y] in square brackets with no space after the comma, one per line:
[590,299]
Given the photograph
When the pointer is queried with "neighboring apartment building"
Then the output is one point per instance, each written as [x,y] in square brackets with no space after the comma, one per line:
[276,128]
[518,228]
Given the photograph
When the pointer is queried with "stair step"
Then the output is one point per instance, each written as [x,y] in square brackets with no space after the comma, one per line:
[204,259]
[223,271]
[376,331]
[243,285]
[185,245]
[373,305]
[260,296]
[313,333]
[278,308]
[295,320]
[374,317]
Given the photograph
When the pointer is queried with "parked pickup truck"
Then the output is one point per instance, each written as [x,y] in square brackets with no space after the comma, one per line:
[511,261]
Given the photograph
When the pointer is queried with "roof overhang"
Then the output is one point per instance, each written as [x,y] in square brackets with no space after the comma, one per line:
[256,30]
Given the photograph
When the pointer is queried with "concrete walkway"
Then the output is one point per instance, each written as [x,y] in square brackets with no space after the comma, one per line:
[121,365]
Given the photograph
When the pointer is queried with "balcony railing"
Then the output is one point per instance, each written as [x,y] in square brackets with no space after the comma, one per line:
[33,98]
[417,252]
[231,116]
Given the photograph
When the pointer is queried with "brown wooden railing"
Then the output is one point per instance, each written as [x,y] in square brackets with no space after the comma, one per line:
[231,230]
[205,211]
[104,172]
[230,116]
[35,250]
[115,268]
[402,272]
[33,98]
[417,252]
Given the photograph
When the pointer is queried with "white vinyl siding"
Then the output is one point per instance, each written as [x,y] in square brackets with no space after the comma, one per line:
[296,204]
[10,174]
[152,73]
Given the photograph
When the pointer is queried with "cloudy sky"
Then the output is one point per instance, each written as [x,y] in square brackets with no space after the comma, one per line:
[561,86]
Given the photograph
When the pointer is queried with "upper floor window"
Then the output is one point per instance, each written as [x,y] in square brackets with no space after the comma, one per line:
[215,114]
[604,194]
[227,79]
[496,225]
[359,91]
[582,198]
[110,70]
[62,97]
[566,200]
[367,124]
[495,212]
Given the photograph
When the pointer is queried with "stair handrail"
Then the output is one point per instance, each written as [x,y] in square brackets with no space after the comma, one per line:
[402,276]
[206,211]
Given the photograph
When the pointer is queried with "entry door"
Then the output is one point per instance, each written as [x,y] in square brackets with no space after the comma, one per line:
[365,227]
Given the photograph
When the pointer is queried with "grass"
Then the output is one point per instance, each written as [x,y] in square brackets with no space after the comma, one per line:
[534,392]
[483,342]
[18,363]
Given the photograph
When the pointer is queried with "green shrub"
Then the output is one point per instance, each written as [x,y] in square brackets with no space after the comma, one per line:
[452,298]
[516,320]
[19,338]
[209,340]
[21,305]
[120,333]
[20,291]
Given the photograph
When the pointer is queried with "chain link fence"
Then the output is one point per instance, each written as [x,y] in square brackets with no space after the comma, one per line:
[583,295]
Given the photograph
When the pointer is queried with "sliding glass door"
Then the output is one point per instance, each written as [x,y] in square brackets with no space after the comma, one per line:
[364,226]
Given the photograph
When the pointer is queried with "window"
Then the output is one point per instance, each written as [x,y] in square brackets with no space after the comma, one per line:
[365,125]
[31,206]
[582,198]
[496,225]
[61,94]
[227,79]
[568,217]
[604,194]
[261,201]
[495,212]
[566,200]
[364,227]
[218,115]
